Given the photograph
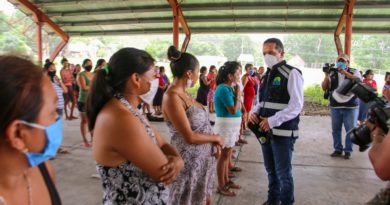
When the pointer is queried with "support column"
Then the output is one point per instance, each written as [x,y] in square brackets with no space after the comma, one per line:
[178,18]
[39,42]
[348,28]
[175,27]
[40,18]
[345,20]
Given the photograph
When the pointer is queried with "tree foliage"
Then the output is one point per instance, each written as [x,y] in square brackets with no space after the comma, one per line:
[158,48]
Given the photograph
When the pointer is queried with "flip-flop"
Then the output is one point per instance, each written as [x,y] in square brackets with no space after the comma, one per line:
[236,169]
[242,141]
[225,191]
[231,175]
[232,185]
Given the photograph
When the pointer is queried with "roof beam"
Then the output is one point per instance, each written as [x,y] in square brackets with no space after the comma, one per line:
[225,30]
[200,19]
[220,6]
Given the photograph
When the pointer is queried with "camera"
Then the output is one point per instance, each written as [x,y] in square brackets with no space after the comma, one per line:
[262,136]
[333,78]
[327,68]
[378,113]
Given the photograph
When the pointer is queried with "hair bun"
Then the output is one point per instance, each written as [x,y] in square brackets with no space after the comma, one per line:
[173,53]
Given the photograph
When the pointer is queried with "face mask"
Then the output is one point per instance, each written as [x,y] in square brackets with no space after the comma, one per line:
[51,73]
[251,72]
[53,134]
[341,65]
[270,60]
[189,83]
[88,68]
[149,96]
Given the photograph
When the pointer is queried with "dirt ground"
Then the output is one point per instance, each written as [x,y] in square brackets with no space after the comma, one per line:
[314,109]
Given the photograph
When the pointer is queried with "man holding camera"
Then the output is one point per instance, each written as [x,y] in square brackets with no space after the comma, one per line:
[275,121]
[343,108]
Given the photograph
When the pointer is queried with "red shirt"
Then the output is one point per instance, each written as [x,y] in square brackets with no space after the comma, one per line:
[213,83]
[161,81]
[371,84]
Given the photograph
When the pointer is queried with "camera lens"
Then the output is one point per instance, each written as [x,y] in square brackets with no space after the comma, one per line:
[361,137]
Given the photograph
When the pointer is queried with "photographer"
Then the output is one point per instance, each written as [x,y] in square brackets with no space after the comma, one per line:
[380,158]
[343,108]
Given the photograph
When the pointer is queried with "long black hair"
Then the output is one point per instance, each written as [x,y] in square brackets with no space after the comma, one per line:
[99,62]
[229,67]
[20,90]
[112,79]
[181,62]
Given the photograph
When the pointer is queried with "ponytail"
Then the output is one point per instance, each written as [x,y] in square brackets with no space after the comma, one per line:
[113,77]
[230,67]
[100,93]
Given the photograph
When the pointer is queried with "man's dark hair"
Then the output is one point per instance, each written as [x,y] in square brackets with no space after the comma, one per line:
[248,65]
[278,42]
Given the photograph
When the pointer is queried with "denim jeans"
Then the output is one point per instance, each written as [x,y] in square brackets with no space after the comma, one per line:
[348,117]
[363,110]
[277,160]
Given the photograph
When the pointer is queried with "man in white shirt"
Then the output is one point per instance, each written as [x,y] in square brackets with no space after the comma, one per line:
[277,113]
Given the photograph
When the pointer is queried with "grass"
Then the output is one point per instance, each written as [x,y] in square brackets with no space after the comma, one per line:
[315,94]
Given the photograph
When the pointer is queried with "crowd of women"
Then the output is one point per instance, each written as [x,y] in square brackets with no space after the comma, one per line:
[136,166]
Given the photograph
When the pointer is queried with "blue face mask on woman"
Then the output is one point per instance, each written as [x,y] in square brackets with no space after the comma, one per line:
[251,72]
[341,65]
[53,134]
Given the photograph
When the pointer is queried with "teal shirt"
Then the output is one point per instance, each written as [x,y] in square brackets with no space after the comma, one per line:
[224,97]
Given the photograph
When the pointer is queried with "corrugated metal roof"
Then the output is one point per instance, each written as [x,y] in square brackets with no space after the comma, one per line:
[121,17]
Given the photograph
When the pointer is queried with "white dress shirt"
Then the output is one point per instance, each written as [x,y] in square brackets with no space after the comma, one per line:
[295,104]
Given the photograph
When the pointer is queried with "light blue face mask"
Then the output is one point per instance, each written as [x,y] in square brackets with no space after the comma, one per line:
[341,65]
[53,134]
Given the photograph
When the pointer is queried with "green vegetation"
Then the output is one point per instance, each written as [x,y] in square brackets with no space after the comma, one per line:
[315,94]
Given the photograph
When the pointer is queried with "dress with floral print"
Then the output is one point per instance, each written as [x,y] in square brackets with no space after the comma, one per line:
[127,184]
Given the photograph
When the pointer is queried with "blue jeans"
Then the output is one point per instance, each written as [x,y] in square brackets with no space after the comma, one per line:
[341,116]
[363,110]
[277,160]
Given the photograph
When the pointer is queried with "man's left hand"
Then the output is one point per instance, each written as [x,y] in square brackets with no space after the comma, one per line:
[264,124]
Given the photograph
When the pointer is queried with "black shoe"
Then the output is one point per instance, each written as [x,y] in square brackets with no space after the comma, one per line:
[347,155]
[336,154]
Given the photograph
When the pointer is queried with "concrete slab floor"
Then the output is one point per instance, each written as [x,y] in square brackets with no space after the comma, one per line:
[319,179]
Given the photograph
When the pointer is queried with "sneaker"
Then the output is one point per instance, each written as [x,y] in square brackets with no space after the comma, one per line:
[336,154]
[347,155]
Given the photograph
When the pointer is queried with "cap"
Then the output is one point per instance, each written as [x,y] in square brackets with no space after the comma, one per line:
[343,56]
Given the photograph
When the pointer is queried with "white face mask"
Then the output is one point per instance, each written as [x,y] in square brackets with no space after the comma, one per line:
[189,83]
[270,60]
[149,96]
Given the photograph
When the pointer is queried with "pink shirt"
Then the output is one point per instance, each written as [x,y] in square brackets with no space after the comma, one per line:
[67,77]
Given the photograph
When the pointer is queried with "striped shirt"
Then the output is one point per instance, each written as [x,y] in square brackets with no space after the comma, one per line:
[59,92]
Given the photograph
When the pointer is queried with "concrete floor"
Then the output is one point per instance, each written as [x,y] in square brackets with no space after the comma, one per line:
[319,179]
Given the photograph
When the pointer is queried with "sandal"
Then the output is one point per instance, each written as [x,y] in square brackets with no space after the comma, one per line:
[231,175]
[62,151]
[225,191]
[233,185]
[242,141]
[236,169]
